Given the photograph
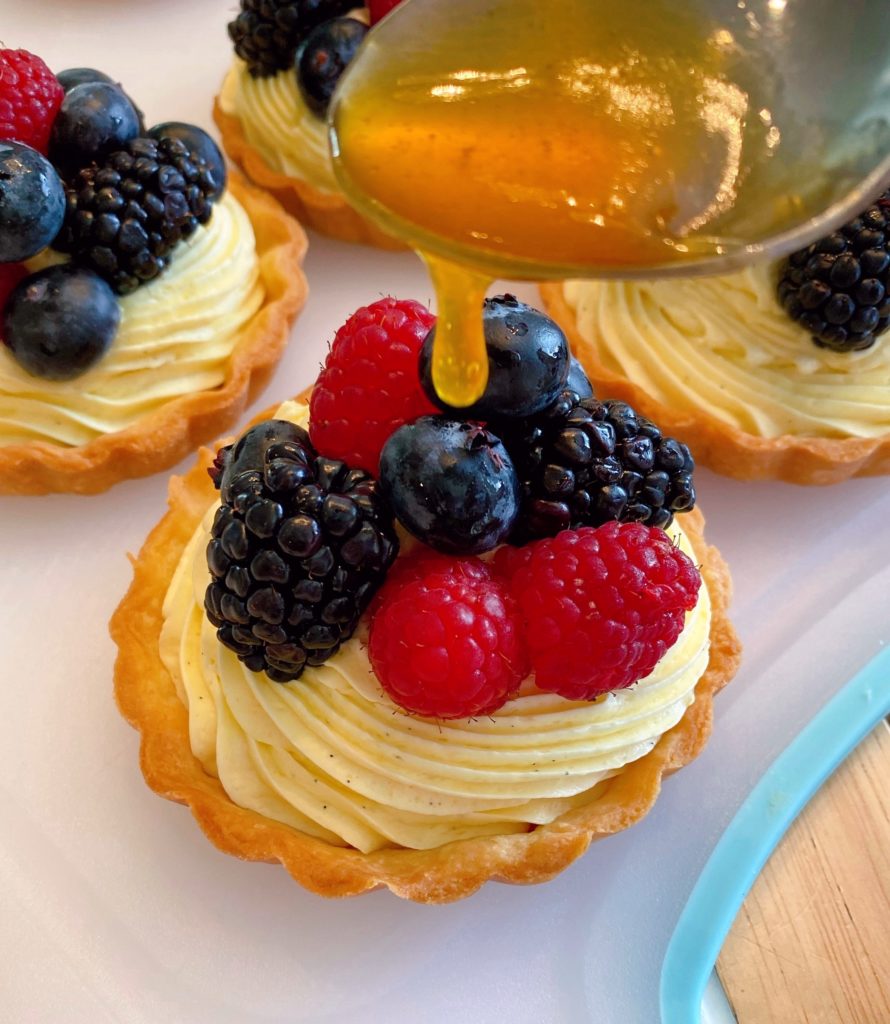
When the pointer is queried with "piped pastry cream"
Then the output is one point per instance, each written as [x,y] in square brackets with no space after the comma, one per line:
[290,138]
[724,346]
[516,797]
[176,337]
[718,363]
[332,756]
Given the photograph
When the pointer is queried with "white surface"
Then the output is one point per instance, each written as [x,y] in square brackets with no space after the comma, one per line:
[114,907]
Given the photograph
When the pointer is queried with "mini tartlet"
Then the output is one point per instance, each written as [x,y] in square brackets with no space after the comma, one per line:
[170,429]
[150,698]
[268,129]
[144,296]
[800,393]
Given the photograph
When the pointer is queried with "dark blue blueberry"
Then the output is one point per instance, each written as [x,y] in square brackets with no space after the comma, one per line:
[322,58]
[71,77]
[94,119]
[451,483]
[577,380]
[200,144]
[32,202]
[528,362]
[60,321]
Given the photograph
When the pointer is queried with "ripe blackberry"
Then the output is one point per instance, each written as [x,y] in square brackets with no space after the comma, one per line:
[125,215]
[266,33]
[839,287]
[584,462]
[297,549]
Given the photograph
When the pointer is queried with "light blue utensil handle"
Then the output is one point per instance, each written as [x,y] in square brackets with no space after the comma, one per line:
[755,831]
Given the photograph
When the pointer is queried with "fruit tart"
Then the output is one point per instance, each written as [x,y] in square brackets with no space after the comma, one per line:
[144,300]
[773,372]
[387,644]
[289,55]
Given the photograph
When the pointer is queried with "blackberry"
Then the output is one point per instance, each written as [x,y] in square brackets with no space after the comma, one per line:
[583,462]
[298,548]
[266,33]
[839,287]
[125,215]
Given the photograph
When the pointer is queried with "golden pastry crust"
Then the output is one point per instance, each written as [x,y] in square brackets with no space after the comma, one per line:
[147,698]
[721,447]
[330,214]
[160,439]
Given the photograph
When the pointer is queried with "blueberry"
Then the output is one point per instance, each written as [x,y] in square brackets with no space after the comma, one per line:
[451,483]
[528,362]
[248,453]
[71,77]
[32,202]
[95,119]
[200,144]
[60,321]
[577,380]
[322,58]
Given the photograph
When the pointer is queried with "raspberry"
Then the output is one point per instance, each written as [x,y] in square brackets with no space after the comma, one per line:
[600,605]
[424,562]
[10,275]
[380,8]
[370,384]
[30,95]
[445,638]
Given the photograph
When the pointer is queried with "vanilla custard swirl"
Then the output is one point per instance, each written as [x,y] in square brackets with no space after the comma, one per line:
[332,756]
[277,123]
[176,336]
[725,346]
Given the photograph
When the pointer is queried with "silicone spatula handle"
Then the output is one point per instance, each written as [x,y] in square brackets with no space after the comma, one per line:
[756,829]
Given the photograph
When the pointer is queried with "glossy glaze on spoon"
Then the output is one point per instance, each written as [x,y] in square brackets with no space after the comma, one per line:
[522,139]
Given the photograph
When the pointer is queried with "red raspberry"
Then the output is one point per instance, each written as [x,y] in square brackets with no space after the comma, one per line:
[30,95]
[600,605]
[380,8]
[423,561]
[10,275]
[370,384]
[445,638]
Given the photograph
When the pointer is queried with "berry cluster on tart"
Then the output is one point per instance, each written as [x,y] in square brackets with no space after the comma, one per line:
[144,298]
[773,372]
[289,55]
[389,643]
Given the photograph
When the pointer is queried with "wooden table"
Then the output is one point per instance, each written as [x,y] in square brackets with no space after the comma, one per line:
[811,944]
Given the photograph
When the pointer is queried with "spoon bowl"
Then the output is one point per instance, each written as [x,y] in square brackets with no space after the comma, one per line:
[660,141]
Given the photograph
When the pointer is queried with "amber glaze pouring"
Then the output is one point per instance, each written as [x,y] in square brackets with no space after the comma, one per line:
[579,138]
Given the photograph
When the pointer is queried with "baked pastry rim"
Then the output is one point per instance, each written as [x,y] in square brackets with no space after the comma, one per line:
[797,459]
[147,698]
[167,434]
